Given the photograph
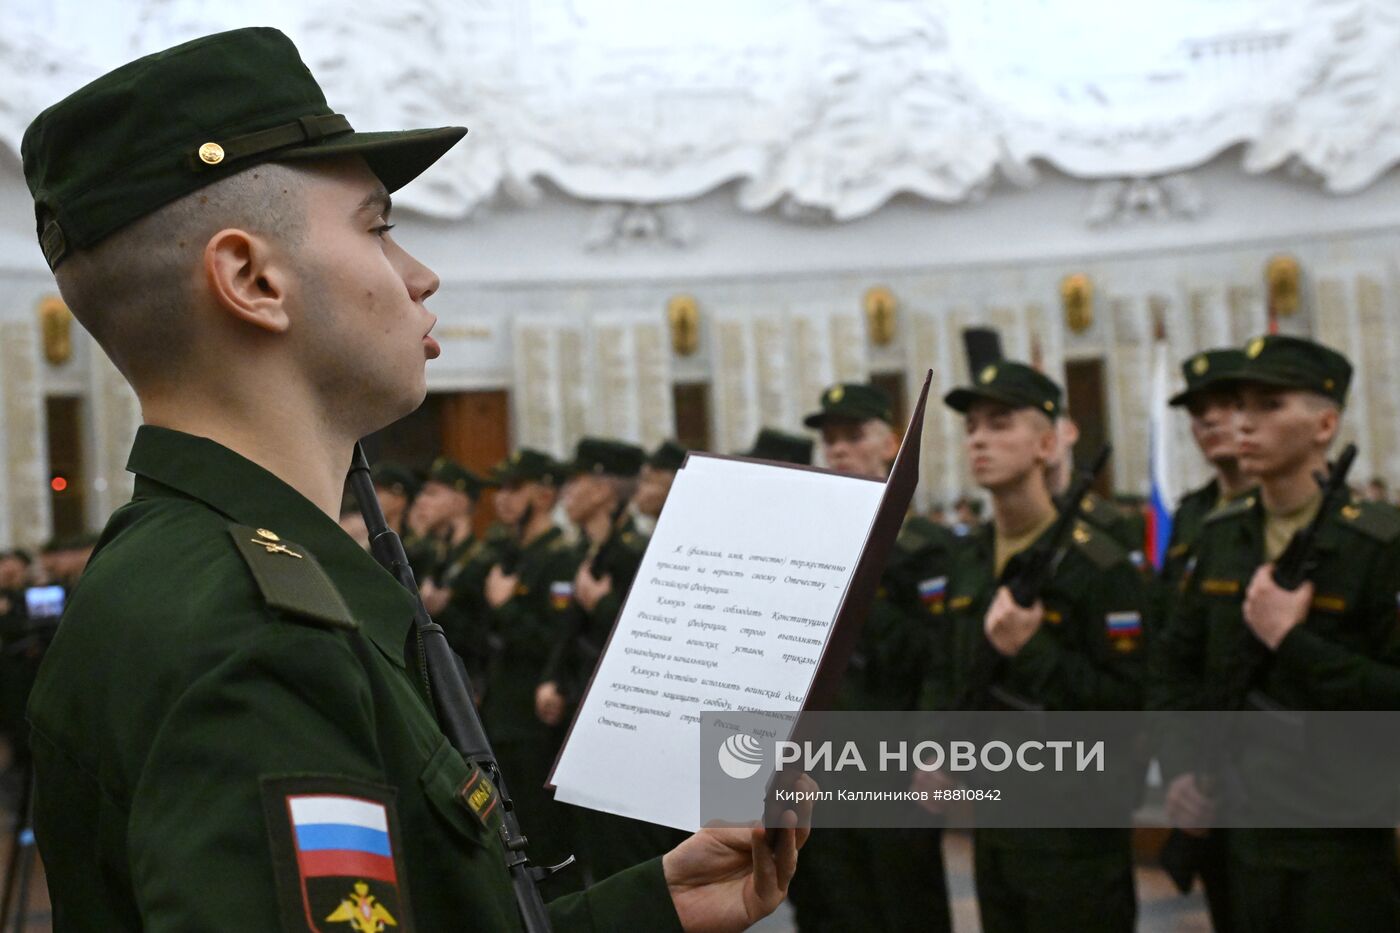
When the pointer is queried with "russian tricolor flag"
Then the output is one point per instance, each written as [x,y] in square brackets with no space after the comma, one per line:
[933,590]
[341,836]
[1161,455]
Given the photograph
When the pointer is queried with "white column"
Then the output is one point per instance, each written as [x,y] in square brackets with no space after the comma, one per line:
[26,519]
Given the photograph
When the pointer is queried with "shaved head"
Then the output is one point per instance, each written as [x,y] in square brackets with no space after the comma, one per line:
[134,290]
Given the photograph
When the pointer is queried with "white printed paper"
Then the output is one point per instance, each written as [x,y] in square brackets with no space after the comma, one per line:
[731,609]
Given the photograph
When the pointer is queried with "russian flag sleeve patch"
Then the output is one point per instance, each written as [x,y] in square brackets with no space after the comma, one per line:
[1124,629]
[335,846]
[932,592]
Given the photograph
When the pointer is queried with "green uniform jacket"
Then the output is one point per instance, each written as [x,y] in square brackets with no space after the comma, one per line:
[1128,530]
[1187,522]
[1344,656]
[586,632]
[888,666]
[463,620]
[525,629]
[207,682]
[1087,655]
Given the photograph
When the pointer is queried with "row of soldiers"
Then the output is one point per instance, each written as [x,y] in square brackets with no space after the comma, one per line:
[530,612]
[528,607]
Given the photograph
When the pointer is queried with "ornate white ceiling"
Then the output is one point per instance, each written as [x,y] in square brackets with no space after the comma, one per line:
[821,109]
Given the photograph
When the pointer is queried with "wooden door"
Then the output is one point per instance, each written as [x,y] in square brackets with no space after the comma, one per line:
[475,431]
[1084,381]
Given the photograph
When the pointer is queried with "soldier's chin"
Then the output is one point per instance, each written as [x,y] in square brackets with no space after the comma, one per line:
[1253,464]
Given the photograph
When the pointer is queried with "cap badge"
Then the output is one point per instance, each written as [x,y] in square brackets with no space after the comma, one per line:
[1256,346]
[988,374]
[835,394]
[1200,365]
[211,153]
[1049,406]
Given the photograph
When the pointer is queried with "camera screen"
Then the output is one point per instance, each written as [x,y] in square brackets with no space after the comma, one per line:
[44,602]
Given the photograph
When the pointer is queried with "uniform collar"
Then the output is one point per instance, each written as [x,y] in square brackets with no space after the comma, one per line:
[544,541]
[248,494]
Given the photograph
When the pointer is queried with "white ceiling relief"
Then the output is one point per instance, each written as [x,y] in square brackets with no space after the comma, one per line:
[820,109]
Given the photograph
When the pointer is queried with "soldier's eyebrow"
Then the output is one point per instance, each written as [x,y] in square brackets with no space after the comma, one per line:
[377,203]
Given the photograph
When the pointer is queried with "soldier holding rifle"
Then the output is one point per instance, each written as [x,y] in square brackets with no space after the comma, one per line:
[1043,612]
[1327,639]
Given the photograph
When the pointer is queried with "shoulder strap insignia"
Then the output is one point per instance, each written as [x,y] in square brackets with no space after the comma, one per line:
[1374,519]
[1099,547]
[1232,509]
[290,578]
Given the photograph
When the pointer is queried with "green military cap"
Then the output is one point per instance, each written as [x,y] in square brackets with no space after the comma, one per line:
[668,456]
[1296,363]
[856,401]
[165,125]
[1013,384]
[528,465]
[614,458]
[1205,370]
[453,474]
[396,477]
[777,445]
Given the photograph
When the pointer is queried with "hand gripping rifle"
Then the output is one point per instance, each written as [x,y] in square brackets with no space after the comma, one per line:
[1026,576]
[1296,565]
[452,698]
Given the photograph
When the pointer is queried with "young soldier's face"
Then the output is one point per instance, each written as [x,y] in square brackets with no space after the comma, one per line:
[1281,430]
[391,502]
[439,503]
[584,495]
[510,501]
[1213,416]
[1005,444]
[859,448]
[652,489]
[362,330]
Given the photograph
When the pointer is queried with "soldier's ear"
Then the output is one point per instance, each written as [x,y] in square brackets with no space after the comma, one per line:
[246,279]
[1048,437]
[891,446]
[1329,422]
[1068,431]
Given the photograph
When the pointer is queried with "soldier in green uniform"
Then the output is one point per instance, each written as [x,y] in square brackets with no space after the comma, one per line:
[526,596]
[445,506]
[1211,397]
[654,484]
[231,729]
[780,446]
[425,527]
[602,482]
[395,485]
[453,591]
[1237,640]
[885,879]
[1078,648]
